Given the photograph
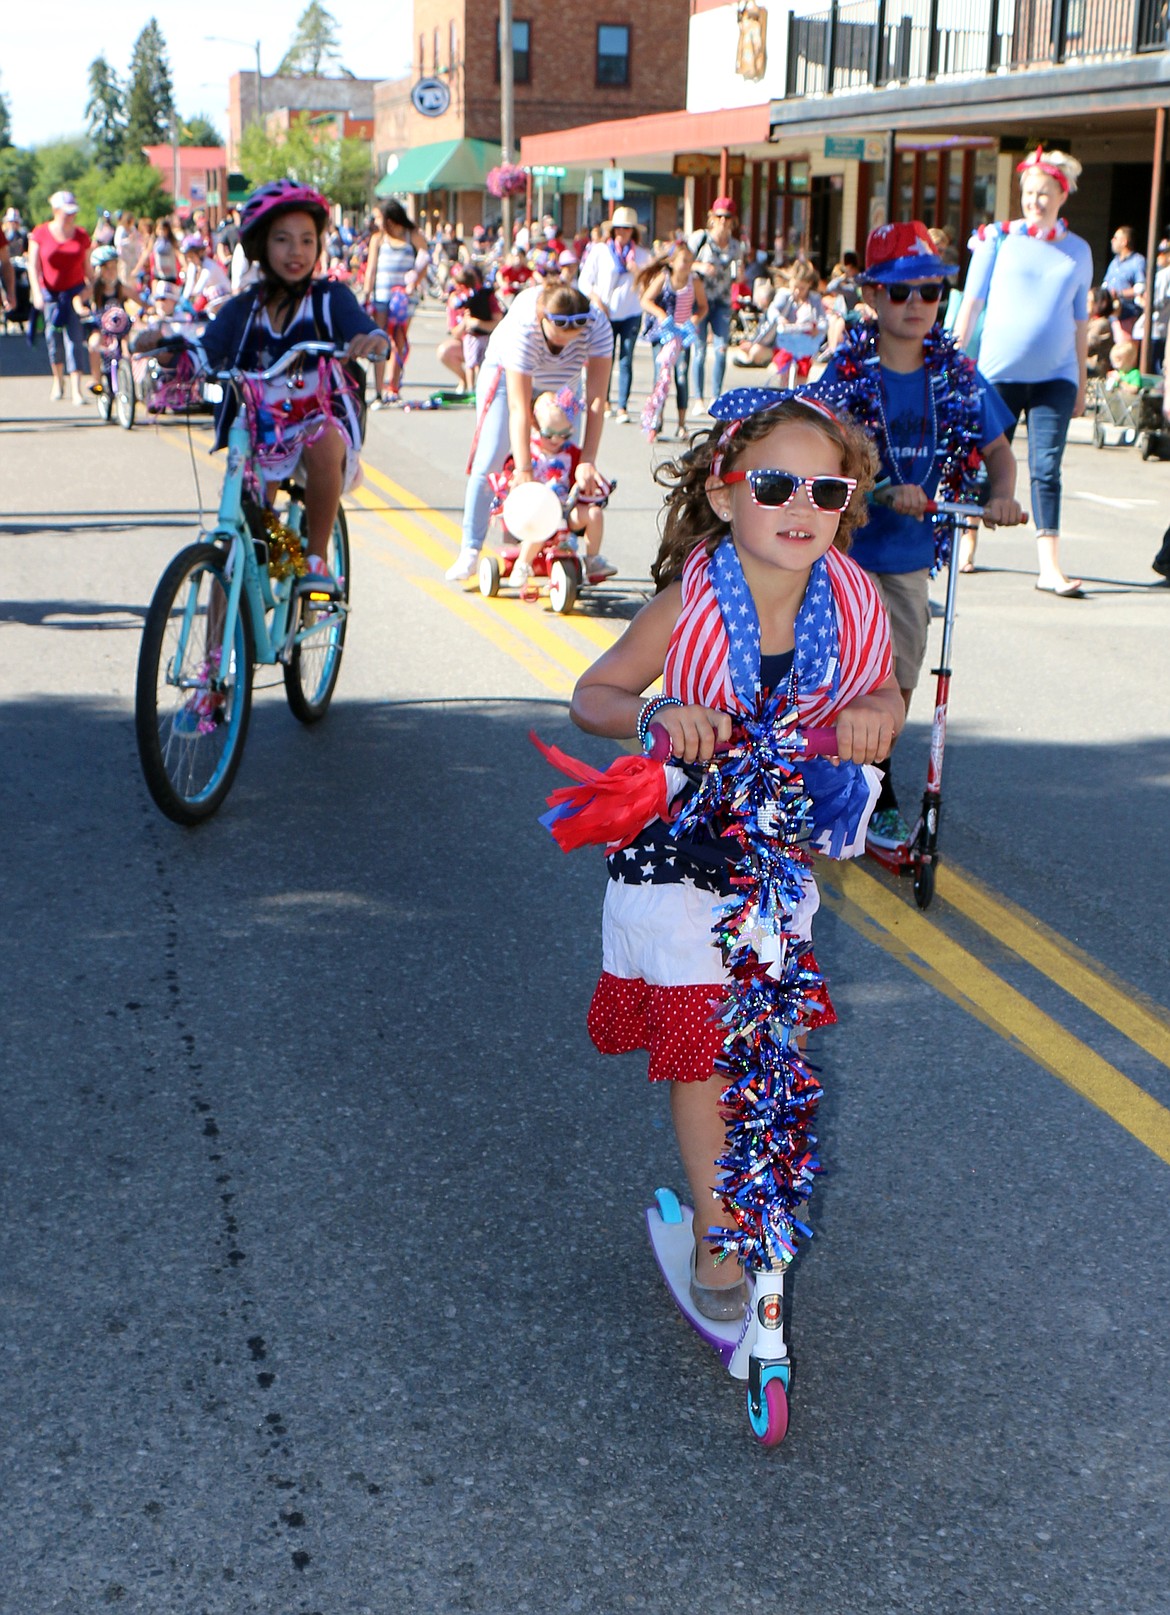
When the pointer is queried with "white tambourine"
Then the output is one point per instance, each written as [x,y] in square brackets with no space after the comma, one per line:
[532,511]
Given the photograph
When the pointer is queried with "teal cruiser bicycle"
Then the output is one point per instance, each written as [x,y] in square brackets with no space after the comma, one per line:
[228,603]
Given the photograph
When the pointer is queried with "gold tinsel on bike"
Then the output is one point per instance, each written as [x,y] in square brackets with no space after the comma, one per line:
[286,555]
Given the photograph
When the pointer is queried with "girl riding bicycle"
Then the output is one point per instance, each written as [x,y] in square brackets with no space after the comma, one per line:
[108,292]
[755,593]
[309,422]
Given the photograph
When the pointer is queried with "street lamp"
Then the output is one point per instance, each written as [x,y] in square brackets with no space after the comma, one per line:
[219,39]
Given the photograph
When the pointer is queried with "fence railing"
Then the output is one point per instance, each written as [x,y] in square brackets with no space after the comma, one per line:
[848,44]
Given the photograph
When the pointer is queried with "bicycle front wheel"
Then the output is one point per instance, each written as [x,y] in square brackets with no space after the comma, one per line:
[310,674]
[194,694]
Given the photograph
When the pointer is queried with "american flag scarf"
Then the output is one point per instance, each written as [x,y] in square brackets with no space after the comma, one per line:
[842,637]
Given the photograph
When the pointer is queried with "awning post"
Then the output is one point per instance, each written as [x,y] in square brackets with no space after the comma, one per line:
[1153,235]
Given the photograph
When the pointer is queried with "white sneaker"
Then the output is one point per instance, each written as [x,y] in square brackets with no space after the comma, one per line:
[464,566]
[519,575]
[598,568]
[56,393]
[621,417]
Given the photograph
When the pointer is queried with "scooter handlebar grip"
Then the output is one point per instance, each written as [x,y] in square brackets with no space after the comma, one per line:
[817,743]
[820,742]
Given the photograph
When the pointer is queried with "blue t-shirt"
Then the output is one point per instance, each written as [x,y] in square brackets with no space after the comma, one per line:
[1035,292]
[1121,277]
[889,542]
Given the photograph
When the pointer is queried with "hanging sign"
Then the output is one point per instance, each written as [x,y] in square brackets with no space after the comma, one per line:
[431,97]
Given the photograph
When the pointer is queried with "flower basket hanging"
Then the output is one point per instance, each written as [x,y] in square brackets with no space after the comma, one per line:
[508,179]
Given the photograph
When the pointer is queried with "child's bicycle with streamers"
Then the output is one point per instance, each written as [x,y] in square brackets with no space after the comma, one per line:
[116,399]
[239,597]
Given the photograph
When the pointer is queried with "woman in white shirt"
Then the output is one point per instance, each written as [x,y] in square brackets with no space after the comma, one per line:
[608,278]
[548,339]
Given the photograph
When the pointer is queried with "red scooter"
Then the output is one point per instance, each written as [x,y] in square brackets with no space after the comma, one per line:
[919,855]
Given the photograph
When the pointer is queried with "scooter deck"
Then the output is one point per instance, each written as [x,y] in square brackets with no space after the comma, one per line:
[672,1243]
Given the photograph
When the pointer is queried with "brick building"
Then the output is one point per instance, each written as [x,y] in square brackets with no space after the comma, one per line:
[823,118]
[201,173]
[284,98]
[574,60]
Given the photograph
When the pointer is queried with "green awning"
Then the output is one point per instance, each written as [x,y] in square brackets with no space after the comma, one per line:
[444,165]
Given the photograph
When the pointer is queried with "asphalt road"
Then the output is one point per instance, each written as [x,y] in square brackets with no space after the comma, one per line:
[323,1280]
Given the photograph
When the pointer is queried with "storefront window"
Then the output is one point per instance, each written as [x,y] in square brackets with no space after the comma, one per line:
[797,231]
[983,189]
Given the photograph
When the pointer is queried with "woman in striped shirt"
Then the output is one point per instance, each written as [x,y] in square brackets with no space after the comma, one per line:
[672,293]
[549,339]
[398,257]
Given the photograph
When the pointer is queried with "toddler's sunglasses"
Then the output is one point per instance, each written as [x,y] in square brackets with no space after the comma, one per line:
[775,489]
[568,322]
[900,292]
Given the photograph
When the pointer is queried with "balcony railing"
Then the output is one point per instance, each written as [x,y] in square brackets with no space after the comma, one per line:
[849,44]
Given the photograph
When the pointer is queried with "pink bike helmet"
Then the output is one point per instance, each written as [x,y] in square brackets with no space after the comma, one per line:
[264,204]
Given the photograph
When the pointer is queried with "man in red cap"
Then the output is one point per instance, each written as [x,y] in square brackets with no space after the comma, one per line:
[718,254]
[933,419]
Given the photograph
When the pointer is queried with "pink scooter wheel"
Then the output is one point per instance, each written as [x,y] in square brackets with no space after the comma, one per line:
[775,1410]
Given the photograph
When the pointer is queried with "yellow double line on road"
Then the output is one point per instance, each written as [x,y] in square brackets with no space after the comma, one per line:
[556,657]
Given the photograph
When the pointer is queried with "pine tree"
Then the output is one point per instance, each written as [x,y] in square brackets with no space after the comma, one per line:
[199,131]
[150,102]
[315,43]
[5,122]
[105,115]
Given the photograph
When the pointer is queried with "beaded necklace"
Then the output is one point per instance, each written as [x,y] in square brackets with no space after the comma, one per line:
[928,411]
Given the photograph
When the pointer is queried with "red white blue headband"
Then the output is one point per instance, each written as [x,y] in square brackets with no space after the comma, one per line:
[741,403]
[1036,160]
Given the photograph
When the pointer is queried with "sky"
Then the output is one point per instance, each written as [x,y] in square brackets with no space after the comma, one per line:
[44,76]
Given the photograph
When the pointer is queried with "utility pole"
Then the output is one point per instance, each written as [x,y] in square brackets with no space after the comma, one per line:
[507,108]
[259,89]
[175,154]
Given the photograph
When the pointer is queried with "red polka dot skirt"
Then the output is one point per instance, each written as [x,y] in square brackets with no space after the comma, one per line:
[677,1025]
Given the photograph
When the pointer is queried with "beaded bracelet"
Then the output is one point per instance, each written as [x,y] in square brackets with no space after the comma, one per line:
[648,713]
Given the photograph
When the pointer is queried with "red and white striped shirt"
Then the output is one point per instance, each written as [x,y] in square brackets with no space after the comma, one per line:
[697,669]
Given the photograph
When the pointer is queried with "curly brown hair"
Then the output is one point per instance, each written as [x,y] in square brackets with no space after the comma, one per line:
[688,517]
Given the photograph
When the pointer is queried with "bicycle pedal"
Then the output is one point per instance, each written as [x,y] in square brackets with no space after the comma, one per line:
[317,589]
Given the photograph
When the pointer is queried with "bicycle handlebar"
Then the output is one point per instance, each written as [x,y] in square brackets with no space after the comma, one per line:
[805,743]
[315,349]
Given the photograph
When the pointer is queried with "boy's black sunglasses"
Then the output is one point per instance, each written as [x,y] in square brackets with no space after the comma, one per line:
[900,292]
[776,489]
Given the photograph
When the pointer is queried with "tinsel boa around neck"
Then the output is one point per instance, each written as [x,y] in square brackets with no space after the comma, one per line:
[855,390]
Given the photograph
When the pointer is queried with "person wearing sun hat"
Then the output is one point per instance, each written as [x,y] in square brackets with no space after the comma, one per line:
[1033,276]
[59,271]
[933,418]
[608,278]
